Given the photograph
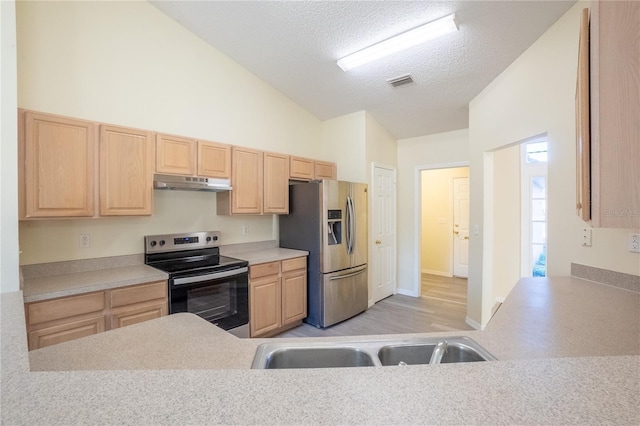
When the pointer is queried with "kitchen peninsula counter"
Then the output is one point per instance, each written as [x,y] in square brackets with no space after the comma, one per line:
[568,350]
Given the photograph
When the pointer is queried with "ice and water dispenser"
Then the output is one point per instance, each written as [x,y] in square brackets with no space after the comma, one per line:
[334,227]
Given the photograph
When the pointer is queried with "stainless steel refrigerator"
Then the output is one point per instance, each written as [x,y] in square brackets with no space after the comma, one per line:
[329,219]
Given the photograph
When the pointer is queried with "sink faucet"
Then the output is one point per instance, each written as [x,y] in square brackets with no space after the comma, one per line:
[438,352]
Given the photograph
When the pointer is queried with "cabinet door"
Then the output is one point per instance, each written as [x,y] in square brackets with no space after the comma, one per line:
[126,171]
[246,179]
[135,313]
[64,332]
[137,303]
[214,160]
[276,183]
[58,155]
[175,155]
[294,290]
[583,155]
[300,168]
[615,108]
[264,305]
[324,170]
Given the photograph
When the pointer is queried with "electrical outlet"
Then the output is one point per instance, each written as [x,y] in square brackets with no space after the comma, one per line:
[586,237]
[85,241]
[245,230]
[634,243]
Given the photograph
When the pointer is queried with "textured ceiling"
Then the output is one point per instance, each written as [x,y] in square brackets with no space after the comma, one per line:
[294,45]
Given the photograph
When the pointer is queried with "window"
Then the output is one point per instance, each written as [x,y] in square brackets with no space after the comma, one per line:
[534,208]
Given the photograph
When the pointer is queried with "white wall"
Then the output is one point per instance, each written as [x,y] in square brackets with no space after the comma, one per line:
[448,149]
[9,277]
[536,95]
[381,146]
[343,139]
[127,63]
[507,219]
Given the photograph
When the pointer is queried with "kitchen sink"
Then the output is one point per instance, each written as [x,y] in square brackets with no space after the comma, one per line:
[310,357]
[369,353]
[459,349]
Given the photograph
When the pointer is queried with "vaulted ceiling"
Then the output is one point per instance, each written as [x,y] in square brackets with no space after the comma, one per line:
[294,45]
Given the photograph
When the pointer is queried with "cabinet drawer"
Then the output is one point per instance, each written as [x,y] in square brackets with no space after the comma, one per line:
[293,264]
[264,269]
[138,293]
[50,310]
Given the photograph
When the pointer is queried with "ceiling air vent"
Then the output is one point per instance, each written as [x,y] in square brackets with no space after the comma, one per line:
[400,80]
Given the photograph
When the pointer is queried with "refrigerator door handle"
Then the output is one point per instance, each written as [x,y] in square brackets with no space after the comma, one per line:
[353,274]
[350,225]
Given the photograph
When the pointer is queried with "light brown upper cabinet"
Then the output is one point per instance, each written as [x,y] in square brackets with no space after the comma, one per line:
[58,155]
[260,182]
[189,157]
[324,170]
[276,183]
[307,169]
[615,108]
[175,155]
[214,160]
[583,145]
[246,180]
[300,168]
[126,171]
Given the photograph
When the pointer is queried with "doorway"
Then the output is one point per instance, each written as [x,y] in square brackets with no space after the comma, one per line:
[444,235]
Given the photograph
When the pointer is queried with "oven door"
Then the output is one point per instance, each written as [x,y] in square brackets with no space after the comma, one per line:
[221,297]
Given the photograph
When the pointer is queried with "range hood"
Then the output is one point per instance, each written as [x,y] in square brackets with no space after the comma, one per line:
[191,183]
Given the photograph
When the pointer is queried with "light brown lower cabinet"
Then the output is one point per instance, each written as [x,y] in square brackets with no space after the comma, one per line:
[68,318]
[70,329]
[131,305]
[277,296]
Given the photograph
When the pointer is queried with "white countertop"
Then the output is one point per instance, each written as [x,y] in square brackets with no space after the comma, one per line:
[69,284]
[568,350]
[275,254]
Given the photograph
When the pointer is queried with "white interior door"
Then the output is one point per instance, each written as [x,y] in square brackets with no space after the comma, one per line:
[383,223]
[461,227]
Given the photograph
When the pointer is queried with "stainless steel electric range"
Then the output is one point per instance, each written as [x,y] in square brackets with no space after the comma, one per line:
[201,281]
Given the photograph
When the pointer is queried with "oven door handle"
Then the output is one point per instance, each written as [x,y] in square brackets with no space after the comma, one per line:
[209,277]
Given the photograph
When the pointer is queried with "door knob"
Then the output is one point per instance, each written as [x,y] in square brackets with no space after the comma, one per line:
[378,242]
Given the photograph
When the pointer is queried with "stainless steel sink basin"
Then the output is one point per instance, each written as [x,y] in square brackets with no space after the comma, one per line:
[329,357]
[369,353]
[457,349]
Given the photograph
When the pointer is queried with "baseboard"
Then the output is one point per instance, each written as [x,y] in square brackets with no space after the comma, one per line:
[439,273]
[475,325]
[408,292]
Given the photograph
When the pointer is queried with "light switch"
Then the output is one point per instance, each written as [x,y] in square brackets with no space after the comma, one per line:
[476,229]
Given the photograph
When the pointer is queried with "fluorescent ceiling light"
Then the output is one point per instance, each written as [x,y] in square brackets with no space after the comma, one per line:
[400,42]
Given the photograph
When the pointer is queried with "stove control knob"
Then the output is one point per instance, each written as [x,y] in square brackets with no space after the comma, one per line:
[208,239]
[215,238]
[153,243]
[161,243]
